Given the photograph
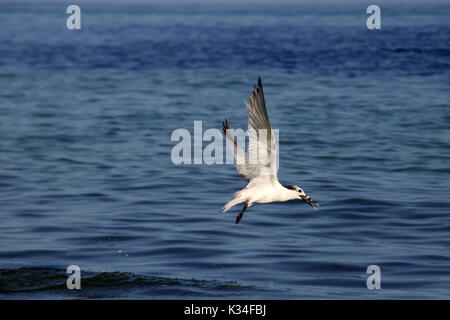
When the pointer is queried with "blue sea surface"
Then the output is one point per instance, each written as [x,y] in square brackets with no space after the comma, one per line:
[86,177]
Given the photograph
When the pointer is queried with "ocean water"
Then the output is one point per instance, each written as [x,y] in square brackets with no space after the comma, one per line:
[86,176]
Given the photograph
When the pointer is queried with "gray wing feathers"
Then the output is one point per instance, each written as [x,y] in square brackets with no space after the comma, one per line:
[258,121]
[257,112]
[238,152]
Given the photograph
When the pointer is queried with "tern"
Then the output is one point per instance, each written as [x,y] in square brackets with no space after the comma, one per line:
[258,168]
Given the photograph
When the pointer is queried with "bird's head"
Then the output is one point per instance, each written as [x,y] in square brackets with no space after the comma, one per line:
[301,195]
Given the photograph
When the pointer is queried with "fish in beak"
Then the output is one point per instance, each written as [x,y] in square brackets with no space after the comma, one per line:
[310,201]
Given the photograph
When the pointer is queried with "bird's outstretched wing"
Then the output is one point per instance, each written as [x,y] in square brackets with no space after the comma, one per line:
[261,158]
[238,152]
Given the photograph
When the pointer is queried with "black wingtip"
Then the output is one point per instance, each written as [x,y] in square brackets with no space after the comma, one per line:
[225,126]
[259,82]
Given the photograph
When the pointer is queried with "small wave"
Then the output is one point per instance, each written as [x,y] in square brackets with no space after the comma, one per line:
[45,283]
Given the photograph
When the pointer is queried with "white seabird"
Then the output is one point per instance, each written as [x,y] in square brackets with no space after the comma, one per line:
[259,168]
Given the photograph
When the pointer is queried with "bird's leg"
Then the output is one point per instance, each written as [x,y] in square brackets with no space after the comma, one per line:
[239,216]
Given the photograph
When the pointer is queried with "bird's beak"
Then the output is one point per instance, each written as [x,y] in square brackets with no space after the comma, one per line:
[311,202]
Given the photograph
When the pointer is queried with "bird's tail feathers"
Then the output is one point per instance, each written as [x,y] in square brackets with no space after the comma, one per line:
[236,200]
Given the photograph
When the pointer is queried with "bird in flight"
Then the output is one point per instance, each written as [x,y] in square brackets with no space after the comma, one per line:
[259,165]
